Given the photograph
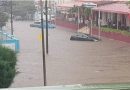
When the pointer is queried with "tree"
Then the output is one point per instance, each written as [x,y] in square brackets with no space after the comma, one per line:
[83,12]
[86,13]
[3,19]
[23,8]
[74,11]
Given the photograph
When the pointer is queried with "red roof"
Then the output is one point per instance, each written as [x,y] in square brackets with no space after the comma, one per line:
[98,0]
[114,8]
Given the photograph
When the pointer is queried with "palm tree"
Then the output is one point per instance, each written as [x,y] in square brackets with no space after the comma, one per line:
[86,12]
[74,11]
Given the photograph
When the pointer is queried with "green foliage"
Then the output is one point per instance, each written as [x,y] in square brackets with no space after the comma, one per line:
[123,32]
[19,7]
[24,7]
[3,19]
[87,11]
[73,10]
[128,2]
[7,66]
[83,11]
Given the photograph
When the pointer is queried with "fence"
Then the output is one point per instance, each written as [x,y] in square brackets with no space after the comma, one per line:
[9,41]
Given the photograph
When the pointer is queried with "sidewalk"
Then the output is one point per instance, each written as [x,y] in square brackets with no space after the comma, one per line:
[112,35]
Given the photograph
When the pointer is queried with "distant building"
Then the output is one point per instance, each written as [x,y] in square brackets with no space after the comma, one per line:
[51,10]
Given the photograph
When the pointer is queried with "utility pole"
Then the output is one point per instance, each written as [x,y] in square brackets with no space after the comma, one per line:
[78,18]
[43,45]
[11,21]
[99,25]
[91,27]
[46,13]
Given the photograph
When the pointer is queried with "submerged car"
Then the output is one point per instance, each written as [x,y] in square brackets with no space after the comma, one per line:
[38,25]
[83,37]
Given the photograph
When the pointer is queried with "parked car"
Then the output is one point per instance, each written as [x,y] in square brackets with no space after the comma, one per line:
[38,25]
[83,37]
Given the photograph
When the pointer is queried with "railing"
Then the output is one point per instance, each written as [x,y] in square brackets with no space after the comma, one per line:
[125,86]
[9,41]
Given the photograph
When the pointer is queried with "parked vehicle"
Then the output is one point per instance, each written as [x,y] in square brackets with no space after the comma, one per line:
[38,25]
[83,37]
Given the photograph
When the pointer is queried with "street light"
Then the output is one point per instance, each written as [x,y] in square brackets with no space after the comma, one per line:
[43,45]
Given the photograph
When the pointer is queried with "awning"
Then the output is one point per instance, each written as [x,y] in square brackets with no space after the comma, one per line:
[89,0]
[114,8]
[70,5]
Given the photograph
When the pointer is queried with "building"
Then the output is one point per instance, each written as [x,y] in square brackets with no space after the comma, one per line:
[65,7]
[116,15]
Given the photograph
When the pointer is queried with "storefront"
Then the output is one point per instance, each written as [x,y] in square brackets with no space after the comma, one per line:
[113,15]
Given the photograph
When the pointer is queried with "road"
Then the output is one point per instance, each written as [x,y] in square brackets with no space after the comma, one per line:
[69,62]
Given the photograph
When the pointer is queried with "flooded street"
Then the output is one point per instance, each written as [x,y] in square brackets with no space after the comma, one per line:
[69,62]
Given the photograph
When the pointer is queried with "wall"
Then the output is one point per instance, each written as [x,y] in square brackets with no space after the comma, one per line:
[103,21]
[112,35]
[127,21]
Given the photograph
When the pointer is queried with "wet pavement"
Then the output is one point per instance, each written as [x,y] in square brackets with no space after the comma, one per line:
[69,62]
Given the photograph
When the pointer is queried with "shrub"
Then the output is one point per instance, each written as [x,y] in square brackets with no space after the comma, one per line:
[123,32]
[7,66]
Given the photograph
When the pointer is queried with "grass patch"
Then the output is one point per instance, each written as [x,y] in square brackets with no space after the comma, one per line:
[123,32]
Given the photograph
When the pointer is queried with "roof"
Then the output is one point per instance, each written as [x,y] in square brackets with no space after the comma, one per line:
[89,0]
[100,2]
[114,8]
[69,5]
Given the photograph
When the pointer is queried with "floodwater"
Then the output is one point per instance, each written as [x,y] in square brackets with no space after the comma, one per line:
[69,62]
